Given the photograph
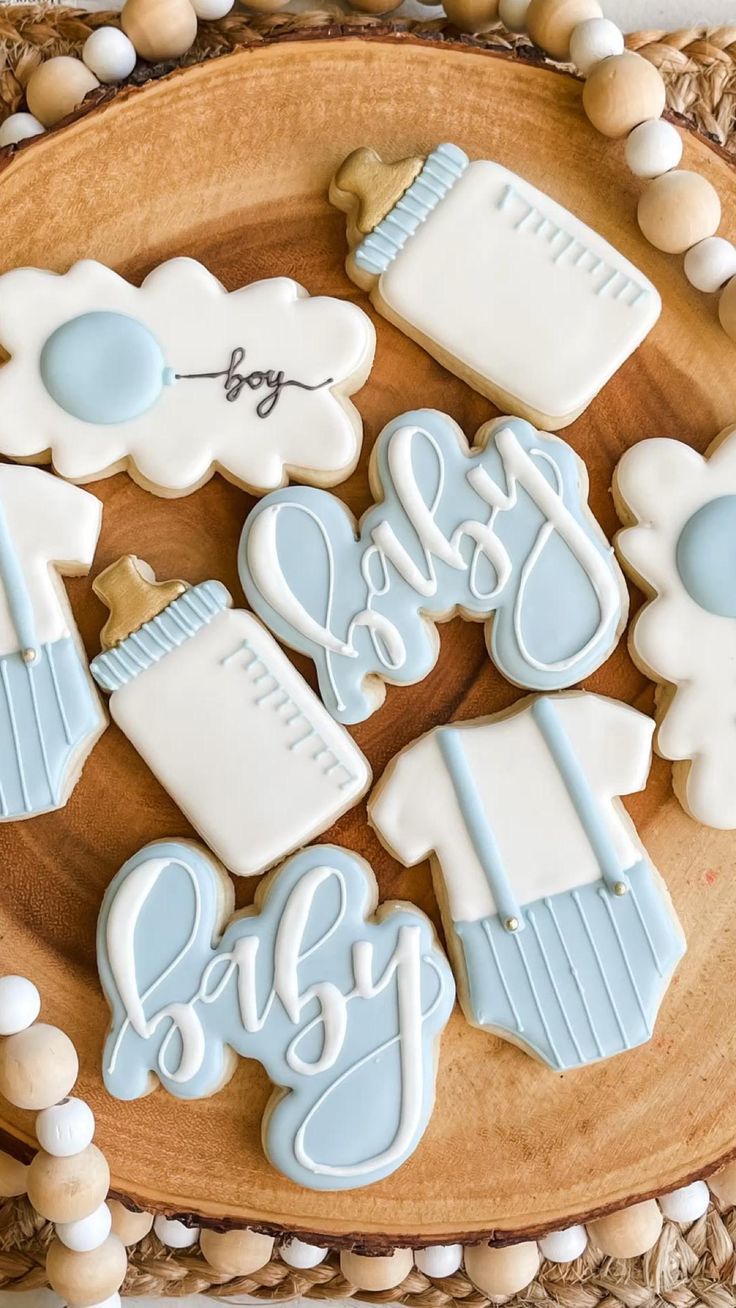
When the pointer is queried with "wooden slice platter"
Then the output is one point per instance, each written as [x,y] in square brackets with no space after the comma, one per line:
[229,162]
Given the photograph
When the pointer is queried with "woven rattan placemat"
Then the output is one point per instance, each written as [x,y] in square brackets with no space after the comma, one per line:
[688,1265]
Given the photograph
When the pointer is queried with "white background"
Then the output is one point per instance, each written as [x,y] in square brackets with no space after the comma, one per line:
[631,15]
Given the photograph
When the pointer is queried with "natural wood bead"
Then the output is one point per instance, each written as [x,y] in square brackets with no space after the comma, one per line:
[622,92]
[677,210]
[550,23]
[67,1189]
[270,6]
[236,1253]
[502,1272]
[723,1184]
[38,1067]
[84,1279]
[13,1177]
[376,1274]
[57,87]
[471,15]
[630,1233]
[129,1227]
[513,14]
[159,29]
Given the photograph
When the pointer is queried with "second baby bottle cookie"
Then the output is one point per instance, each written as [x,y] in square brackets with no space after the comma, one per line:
[222,718]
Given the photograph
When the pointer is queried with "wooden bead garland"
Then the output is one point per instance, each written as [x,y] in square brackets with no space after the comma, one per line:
[300,1255]
[471,15]
[13,1177]
[20,1002]
[16,128]
[564,1246]
[629,1233]
[67,1189]
[653,148]
[88,1232]
[678,210]
[57,87]
[236,1253]
[723,1184]
[85,1279]
[109,54]
[593,40]
[513,14]
[551,23]
[38,1066]
[175,1234]
[439,1260]
[376,1274]
[159,29]
[622,92]
[129,1227]
[686,1204]
[211,10]
[66,1128]
[710,264]
[502,1272]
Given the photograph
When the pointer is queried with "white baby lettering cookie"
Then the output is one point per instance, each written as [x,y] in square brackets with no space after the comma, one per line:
[344,1009]
[680,547]
[562,933]
[493,278]
[50,713]
[222,718]
[179,378]
[499,531]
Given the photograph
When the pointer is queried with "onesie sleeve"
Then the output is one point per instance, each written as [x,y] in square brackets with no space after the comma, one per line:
[401,808]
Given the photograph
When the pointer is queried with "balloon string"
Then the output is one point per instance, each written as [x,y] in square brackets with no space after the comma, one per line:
[235,381]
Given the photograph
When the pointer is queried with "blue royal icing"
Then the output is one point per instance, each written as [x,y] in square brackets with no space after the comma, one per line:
[104,367]
[344,1013]
[499,531]
[706,556]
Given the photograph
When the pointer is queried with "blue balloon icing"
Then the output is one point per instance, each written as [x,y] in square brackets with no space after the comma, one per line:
[501,529]
[104,368]
[706,556]
[342,1012]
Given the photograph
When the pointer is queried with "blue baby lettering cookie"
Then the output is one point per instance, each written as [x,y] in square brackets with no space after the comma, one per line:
[343,1009]
[499,532]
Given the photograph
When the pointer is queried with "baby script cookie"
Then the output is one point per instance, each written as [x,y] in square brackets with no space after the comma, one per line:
[222,718]
[50,713]
[680,547]
[499,532]
[562,933]
[496,280]
[178,378]
[343,1009]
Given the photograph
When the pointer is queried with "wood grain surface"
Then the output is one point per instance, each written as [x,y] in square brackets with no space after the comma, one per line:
[230,162]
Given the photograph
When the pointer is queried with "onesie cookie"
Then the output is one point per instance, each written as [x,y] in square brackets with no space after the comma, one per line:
[680,547]
[343,1006]
[494,279]
[50,713]
[562,933]
[499,532]
[179,378]
[222,717]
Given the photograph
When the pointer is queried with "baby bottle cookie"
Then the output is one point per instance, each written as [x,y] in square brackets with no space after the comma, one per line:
[344,1009]
[222,718]
[496,280]
[562,933]
[178,378]
[50,713]
[680,546]
[499,532]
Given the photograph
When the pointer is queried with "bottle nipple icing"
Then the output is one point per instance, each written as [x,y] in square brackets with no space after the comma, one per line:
[130,591]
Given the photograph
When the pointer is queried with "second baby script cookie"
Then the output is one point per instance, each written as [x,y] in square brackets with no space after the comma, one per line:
[178,378]
[494,278]
[563,934]
[499,531]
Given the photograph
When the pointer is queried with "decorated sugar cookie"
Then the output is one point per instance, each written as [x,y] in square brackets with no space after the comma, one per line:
[178,378]
[563,934]
[499,532]
[681,548]
[50,714]
[222,717]
[495,279]
[343,1009]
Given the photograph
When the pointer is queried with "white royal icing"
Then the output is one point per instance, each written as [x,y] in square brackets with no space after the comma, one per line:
[179,377]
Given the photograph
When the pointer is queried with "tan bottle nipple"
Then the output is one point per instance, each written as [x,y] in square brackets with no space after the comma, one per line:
[133,596]
[367,189]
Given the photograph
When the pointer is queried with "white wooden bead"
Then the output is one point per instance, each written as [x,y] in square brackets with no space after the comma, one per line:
[109,54]
[211,10]
[593,40]
[175,1234]
[439,1259]
[513,14]
[88,1233]
[687,1204]
[653,148]
[57,87]
[376,1274]
[114,1301]
[564,1246]
[710,264]
[20,1002]
[296,1253]
[38,1067]
[19,127]
[502,1272]
[65,1128]
[236,1253]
